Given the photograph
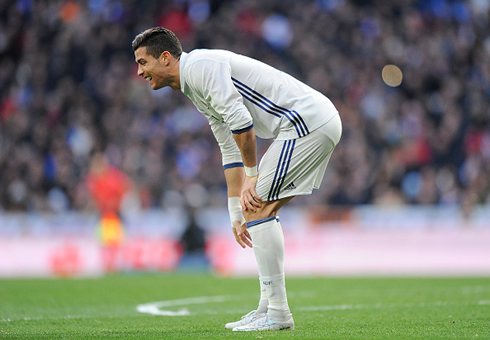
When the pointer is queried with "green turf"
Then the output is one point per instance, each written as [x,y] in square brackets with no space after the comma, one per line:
[335,308]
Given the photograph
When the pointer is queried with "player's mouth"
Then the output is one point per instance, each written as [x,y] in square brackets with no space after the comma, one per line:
[148,78]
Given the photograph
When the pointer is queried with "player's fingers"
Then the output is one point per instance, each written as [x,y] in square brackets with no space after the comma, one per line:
[240,242]
[247,235]
[255,200]
[247,199]
[242,203]
[250,205]
[240,228]
[238,239]
[254,194]
[256,197]
[246,241]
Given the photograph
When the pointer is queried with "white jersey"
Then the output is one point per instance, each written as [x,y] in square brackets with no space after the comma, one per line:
[236,93]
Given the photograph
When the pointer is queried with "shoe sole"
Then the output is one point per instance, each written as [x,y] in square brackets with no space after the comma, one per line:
[280,328]
[239,323]
[235,324]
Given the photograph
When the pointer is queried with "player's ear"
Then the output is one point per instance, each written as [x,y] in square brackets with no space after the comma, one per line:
[165,57]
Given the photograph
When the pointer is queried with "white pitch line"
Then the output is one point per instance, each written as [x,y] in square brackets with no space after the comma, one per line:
[154,308]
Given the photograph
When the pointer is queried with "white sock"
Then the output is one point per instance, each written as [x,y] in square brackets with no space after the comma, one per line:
[263,302]
[268,245]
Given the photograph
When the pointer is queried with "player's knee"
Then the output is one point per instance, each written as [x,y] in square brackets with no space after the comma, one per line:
[258,215]
[268,209]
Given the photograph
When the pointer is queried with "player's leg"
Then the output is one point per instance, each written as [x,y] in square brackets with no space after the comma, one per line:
[289,168]
[255,314]
[268,241]
[268,245]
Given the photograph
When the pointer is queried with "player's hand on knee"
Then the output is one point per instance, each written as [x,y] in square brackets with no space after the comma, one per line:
[249,199]
[241,234]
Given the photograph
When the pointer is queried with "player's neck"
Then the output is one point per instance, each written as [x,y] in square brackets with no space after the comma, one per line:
[174,72]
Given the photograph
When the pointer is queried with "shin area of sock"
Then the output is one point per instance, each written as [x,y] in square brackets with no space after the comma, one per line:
[268,247]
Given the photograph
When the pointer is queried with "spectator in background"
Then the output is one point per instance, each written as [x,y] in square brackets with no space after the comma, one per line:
[60,59]
[193,241]
[108,186]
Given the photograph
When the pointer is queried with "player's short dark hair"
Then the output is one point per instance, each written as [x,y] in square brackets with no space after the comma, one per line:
[158,40]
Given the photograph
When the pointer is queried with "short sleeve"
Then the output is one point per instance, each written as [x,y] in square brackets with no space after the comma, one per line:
[213,78]
[230,152]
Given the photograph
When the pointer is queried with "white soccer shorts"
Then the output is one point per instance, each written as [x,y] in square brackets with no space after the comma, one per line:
[297,166]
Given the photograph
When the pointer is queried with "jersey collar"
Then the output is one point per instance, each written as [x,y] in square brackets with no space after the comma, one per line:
[183,59]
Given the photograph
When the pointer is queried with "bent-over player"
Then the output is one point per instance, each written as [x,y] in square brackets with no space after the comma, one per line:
[243,98]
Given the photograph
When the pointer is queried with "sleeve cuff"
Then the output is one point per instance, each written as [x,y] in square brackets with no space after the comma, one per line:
[232,165]
[248,128]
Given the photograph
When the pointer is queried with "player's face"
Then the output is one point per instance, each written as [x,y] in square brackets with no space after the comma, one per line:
[153,70]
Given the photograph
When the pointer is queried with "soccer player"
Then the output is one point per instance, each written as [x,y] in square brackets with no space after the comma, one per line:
[243,98]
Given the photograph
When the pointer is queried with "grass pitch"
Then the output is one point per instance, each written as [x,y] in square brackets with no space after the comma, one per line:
[342,308]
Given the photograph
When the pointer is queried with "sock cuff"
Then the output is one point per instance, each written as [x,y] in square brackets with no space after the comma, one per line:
[263,220]
[272,277]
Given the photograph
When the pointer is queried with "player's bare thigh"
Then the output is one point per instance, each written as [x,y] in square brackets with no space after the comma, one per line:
[268,209]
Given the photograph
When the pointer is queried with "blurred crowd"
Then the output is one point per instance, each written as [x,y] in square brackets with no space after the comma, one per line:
[69,91]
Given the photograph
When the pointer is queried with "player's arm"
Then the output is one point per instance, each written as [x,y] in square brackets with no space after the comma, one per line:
[218,88]
[246,142]
[213,80]
[235,176]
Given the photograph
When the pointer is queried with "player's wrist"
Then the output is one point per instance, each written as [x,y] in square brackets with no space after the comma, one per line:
[251,171]
[235,210]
